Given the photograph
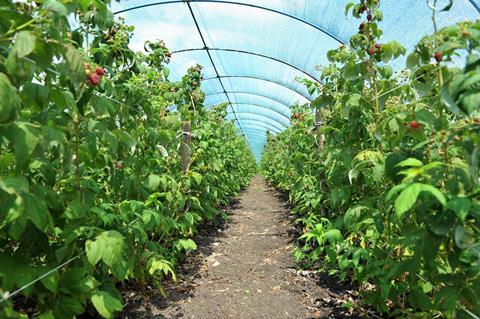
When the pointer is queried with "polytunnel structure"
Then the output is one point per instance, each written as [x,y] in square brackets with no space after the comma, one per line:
[253,52]
[240,159]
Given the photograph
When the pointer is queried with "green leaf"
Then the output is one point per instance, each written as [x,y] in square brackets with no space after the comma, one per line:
[152,182]
[106,304]
[9,100]
[68,307]
[46,315]
[391,168]
[24,274]
[322,101]
[51,281]
[87,284]
[410,162]
[7,271]
[333,236]
[24,44]
[55,6]
[196,176]
[353,214]
[185,244]
[126,138]
[412,60]
[158,265]
[166,72]
[75,65]
[24,137]
[109,247]
[37,212]
[348,7]
[162,150]
[408,197]
[75,210]
[461,206]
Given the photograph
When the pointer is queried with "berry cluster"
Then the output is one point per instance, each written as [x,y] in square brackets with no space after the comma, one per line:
[159,52]
[414,125]
[297,116]
[195,75]
[377,48]
[94,73]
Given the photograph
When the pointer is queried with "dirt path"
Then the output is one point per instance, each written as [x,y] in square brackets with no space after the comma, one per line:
[244,270]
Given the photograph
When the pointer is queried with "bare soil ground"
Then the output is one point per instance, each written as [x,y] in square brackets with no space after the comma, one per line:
[244,269]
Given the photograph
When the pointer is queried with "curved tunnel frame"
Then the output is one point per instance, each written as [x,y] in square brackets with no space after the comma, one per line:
[258,123]
[207,49]
[218,76]
[251,53]
[256,117]
[240,4]
[259,79]
[248,93]
[262,107]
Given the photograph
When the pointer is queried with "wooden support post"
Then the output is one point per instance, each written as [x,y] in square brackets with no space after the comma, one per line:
[318,125]
[187,136]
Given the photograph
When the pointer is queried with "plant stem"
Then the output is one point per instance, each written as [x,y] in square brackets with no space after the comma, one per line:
[20,27]
[435,30]
[77,155]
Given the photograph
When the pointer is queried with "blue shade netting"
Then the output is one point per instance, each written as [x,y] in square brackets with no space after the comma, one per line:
[253,51]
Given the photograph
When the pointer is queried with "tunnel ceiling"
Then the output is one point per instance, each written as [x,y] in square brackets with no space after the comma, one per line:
[253,51]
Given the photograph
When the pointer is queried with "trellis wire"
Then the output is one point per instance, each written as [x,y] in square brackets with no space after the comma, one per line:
[48,273]
[404,84]
[99,94]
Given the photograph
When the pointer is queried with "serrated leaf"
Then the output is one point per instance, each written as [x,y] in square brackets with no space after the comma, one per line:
[109,247]
[46,315]
[333,236]
[408,197]
[196,176]
[75,210]
[162,150]
[106,304]
[51,281]
[24,137]
[9,100]
[185,244]
[24,44]
[55,6]
[152,182]
[412,60]
[37,212]
[158,265]
[75,65]
[461,206]
[410,162]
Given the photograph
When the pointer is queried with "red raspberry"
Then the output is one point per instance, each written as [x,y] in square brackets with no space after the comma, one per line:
[100,71]
[438,56]
[414,124]
[372,50]
[94,79]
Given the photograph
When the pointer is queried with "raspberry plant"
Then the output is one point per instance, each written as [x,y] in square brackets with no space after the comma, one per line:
[91,187]
[391,200]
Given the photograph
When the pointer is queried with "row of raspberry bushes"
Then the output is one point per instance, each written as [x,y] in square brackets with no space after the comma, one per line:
[390,198]
[90,160]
